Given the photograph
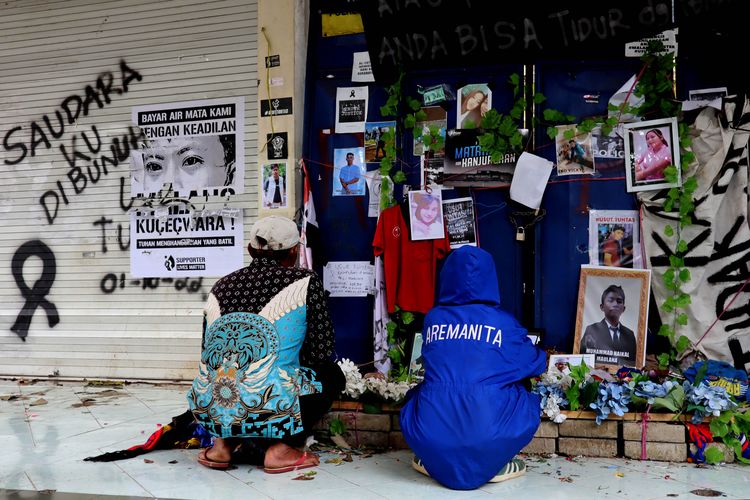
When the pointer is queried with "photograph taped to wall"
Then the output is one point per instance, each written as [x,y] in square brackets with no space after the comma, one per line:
[416,362]
[437,120]
[473,102]
[196,147]
[426,215]
[614,238]
[378,136]
[205,243]
[432,173]
[574,155]
[561,361]
[651,147]
[608,151]
[612,315]
[273,185]
[349,172]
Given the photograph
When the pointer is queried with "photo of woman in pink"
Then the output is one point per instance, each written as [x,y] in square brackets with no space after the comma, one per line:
[426,215]
[650,164]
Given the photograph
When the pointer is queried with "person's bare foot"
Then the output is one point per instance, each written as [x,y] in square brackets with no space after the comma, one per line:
[281,455]
[221,451]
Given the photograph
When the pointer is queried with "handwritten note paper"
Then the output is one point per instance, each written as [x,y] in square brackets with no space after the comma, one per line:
[349,279]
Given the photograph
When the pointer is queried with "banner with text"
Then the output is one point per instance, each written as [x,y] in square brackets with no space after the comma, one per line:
[196,147]
[204,243]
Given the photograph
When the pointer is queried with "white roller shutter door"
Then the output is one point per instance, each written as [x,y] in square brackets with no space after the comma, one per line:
[110,325]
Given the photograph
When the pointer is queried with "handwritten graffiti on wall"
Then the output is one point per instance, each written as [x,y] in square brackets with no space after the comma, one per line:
[72,107]
[111,282]
[36,295]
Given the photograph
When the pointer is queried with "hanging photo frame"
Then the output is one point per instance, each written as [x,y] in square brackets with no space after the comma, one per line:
[651,147]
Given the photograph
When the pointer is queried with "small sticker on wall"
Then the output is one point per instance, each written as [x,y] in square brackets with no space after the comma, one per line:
[276,107]
[273,61]
[277,81]
[276,144]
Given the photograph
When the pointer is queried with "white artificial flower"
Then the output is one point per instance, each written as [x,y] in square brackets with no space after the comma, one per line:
[552,409]
[355,384]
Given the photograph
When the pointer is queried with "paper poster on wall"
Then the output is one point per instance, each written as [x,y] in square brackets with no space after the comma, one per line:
[614,238]
[273,185]
[472,104]
[459,222]
[349,279]
[351,109]
[573,154]
[205,243]
[467,164]
[378,136]
[197,147]
[277,145]
[361,68]
[437,120]
[349,172]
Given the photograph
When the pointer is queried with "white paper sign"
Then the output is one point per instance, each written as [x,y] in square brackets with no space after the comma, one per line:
[638,48]
[349,279]
[351,109]
[207,243]
[361,69]
[530,179]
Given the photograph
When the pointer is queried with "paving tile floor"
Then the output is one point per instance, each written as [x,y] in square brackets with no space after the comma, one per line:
[48,428]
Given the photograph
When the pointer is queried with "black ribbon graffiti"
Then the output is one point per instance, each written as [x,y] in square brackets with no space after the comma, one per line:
[34,296]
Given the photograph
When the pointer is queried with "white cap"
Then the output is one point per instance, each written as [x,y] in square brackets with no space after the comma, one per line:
[274,233]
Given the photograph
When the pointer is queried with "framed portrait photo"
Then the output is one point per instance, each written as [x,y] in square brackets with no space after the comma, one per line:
[612,315]
[651,147]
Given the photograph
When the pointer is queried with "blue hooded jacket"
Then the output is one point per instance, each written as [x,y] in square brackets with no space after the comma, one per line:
[471,414]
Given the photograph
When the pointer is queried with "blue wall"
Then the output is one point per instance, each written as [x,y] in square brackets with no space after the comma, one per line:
[558,246]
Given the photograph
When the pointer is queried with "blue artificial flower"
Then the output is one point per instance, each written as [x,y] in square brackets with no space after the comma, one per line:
[611,398]
[707,400]
[651,390]
[545,391]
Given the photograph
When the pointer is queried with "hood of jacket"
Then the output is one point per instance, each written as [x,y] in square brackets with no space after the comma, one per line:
[469,277]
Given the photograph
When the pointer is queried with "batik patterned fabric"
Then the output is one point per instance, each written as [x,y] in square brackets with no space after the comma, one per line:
[250,377]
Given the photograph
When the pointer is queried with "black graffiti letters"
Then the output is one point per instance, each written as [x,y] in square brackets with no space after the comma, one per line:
[79,177]
[35,295]
[92,97]
[741,358]
[111,282]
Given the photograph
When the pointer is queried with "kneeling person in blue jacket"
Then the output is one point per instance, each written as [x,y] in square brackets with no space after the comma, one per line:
[471,414]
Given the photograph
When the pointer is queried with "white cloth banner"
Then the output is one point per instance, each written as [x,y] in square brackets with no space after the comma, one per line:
[380,320]
[718,239]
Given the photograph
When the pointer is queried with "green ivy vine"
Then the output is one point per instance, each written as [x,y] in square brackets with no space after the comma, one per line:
[656,89]
[406,119]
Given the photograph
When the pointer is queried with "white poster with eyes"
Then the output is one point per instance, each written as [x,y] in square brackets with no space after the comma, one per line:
[194,148]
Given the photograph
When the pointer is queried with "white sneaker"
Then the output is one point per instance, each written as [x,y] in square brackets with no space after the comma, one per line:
[416,464]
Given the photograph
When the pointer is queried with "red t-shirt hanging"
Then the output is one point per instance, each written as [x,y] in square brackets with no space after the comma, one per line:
[409,265]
